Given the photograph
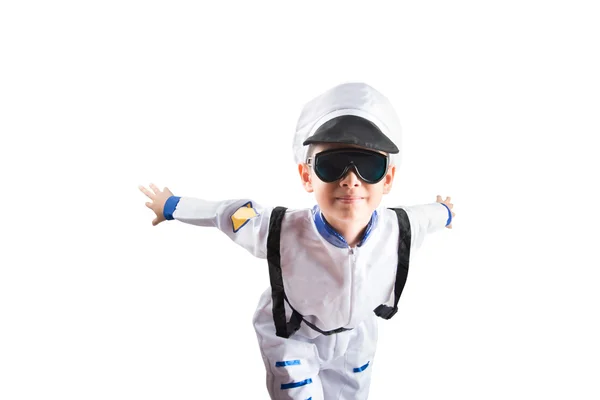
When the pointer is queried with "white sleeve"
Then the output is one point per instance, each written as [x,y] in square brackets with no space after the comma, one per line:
[425,219]
[244,221]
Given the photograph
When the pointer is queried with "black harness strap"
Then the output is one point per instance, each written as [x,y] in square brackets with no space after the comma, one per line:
[286,329]
[300,318]
[404,238]
[282,328]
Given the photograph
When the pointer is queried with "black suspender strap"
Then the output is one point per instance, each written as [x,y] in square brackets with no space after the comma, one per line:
[282,327]
[326,333]
[387,312]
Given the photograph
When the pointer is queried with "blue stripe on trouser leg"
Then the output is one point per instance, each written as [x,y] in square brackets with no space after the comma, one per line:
[361,369]
[292,385]
[287,363]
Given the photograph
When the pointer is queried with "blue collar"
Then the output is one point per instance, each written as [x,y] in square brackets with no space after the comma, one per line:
[332,236]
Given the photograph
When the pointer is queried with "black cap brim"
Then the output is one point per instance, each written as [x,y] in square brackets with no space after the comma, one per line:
[351,129]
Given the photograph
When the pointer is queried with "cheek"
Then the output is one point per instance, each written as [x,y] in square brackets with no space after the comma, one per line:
[376,194]
[322,191]
[375,198]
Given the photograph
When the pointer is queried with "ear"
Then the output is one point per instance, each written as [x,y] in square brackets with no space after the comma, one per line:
[389,179]
[304,171]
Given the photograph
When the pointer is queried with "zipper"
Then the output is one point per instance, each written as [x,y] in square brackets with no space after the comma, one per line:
[352,262]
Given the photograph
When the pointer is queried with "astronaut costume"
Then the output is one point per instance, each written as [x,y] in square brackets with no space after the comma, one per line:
[317,323]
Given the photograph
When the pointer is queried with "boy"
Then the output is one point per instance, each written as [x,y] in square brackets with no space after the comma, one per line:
[336,267]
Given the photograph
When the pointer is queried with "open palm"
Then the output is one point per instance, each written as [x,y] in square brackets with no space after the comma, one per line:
[159,198]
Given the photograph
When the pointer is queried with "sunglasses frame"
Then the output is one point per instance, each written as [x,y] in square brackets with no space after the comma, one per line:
[350,165]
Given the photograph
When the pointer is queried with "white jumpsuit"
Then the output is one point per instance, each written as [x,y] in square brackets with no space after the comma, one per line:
[329,283]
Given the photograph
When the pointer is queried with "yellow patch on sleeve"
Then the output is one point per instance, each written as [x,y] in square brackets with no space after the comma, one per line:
[242,215]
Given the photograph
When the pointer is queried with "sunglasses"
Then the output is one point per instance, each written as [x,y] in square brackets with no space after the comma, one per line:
[332,165]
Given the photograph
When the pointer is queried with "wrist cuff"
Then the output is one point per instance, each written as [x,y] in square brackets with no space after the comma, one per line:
[170,206]
[449,214]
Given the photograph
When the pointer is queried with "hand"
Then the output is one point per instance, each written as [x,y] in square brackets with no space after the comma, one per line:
[158,201]
[447,203]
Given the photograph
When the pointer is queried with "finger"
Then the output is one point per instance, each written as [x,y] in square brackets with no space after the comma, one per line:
[449,226]
[149,205]
[438,198]
[453,214]
[155,222]
[146,192]
[450,205]
[448,198]
[155,188]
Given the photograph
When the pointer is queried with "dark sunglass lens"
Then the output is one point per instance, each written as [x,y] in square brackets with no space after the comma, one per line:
[372,167]
[330,167]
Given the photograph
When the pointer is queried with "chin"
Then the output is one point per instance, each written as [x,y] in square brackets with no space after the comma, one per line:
[350,213]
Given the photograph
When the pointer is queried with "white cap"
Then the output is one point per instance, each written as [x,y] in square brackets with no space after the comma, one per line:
[357,99]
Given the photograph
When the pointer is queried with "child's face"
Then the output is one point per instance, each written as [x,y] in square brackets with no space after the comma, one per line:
[348,199]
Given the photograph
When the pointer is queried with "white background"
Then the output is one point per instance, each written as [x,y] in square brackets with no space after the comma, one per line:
[499,103]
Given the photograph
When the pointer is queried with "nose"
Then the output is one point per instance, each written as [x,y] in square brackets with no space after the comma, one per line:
[350,179]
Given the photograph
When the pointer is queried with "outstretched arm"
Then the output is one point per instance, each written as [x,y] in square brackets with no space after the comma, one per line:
[428,218]
[242,220]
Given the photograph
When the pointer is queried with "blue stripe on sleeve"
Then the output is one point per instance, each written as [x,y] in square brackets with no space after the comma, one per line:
[170,207]
[449,214]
